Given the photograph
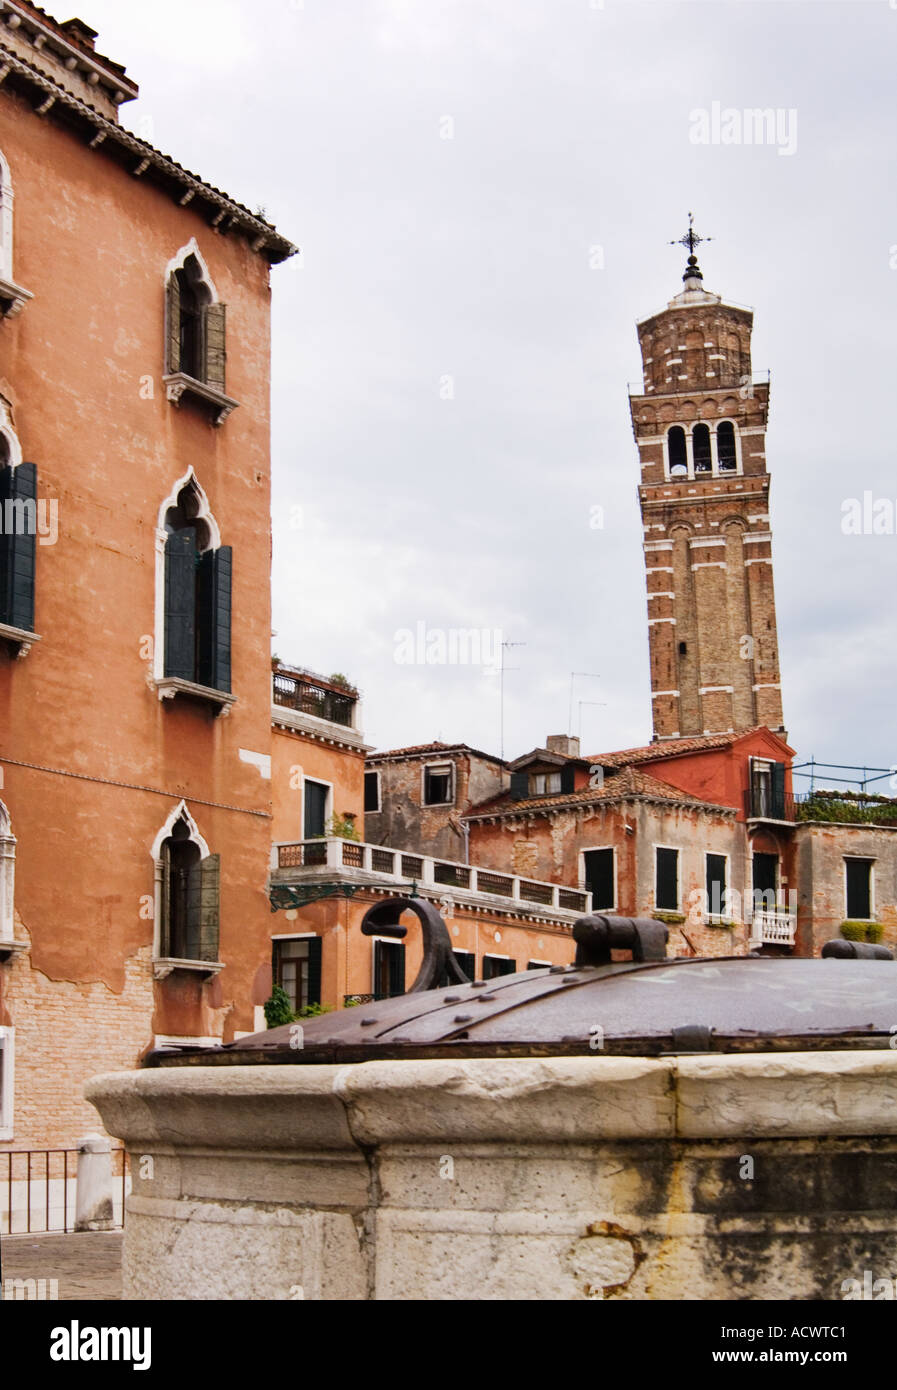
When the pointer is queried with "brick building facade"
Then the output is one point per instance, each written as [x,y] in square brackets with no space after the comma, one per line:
[135,705]
[700,427]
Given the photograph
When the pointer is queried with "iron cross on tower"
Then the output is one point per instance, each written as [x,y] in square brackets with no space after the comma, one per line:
[691,240]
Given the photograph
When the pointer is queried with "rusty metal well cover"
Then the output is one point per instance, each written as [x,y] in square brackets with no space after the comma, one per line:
[728,1004]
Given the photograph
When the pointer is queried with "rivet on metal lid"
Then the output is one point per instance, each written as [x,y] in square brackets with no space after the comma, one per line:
[463,1018]
[451,999]
[367,1022]
[478,984]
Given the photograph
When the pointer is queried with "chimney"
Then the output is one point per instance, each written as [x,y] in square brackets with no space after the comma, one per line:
[563,743]
[80,32]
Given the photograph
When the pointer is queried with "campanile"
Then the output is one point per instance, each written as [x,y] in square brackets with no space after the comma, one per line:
[700,427]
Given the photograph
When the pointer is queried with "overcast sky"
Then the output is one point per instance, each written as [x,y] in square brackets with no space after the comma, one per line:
[451,361]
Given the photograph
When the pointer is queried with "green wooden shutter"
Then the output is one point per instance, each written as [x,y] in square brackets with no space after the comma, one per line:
[190,948]
[215,346]
[519,785]
[509,967]
[778,791]
[214,618]
[314,970]
[173,324]
[210,897]
[180,604]
[568,778]
[18,542]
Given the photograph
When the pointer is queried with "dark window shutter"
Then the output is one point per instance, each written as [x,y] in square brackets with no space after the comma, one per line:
[509,967]
[193,936]
[396,969]
[214,618]
[568,778]
[859,895]
[468,963]
[315,809]
[314,970]
[778,791]
[599,867]
[173,324]
[519,785]
[716,884]
[216,354]
[209,904]
[180,604]
[667,886]
[18,500]
[371,791]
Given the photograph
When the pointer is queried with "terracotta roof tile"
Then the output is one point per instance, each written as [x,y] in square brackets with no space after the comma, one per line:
[628,783]
[670,748]
[419,748]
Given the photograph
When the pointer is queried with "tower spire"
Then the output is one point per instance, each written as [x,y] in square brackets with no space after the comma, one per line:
[692,241]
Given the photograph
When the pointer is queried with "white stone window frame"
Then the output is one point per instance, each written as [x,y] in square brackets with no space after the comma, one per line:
[715,471]
[180,812]
[169,686]
[328,805]
[438,765]
[12,457]
[868,859]
[7,1082]
[7,877]
[13,297]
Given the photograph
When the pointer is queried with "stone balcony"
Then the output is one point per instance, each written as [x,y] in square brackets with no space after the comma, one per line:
[327,859]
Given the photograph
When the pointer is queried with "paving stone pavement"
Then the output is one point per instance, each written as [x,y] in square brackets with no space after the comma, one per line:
[84,1265]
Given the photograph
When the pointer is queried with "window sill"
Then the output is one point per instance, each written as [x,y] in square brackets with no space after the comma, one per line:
[169,686]
[12,298]
[9,949]
[163,966]
[20,638]
[179,384]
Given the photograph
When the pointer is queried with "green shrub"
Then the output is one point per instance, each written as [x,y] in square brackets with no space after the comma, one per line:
[862,931]
[314,1010]
[278,1009]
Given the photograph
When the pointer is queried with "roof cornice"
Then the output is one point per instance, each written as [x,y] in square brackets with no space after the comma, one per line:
[264,239]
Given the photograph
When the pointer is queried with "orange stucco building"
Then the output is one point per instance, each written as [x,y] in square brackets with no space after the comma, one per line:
[135,734]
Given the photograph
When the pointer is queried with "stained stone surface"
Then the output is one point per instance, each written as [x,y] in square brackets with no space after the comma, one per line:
[758,1176]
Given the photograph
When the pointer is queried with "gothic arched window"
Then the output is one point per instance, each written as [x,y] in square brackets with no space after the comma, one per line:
[700,439]
[677,452]
[725,447]
[197,593]
[196,323]
[188,928]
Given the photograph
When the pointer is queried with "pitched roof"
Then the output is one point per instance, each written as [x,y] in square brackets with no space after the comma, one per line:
[627,785]
[108,135]
[674,748]
[423,748]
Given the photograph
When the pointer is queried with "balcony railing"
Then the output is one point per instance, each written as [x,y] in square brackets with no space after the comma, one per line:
[773,929]
[298,693]
[764,805]
[335,853]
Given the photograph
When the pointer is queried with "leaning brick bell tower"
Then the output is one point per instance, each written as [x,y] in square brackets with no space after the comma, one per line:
[700,427]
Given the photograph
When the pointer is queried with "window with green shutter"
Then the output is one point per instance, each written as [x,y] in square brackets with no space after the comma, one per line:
[18,541]
[198,583]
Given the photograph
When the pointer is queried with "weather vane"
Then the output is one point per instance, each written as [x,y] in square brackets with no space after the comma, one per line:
[691,238]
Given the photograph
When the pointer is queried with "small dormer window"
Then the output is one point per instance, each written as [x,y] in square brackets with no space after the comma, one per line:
[545,784]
